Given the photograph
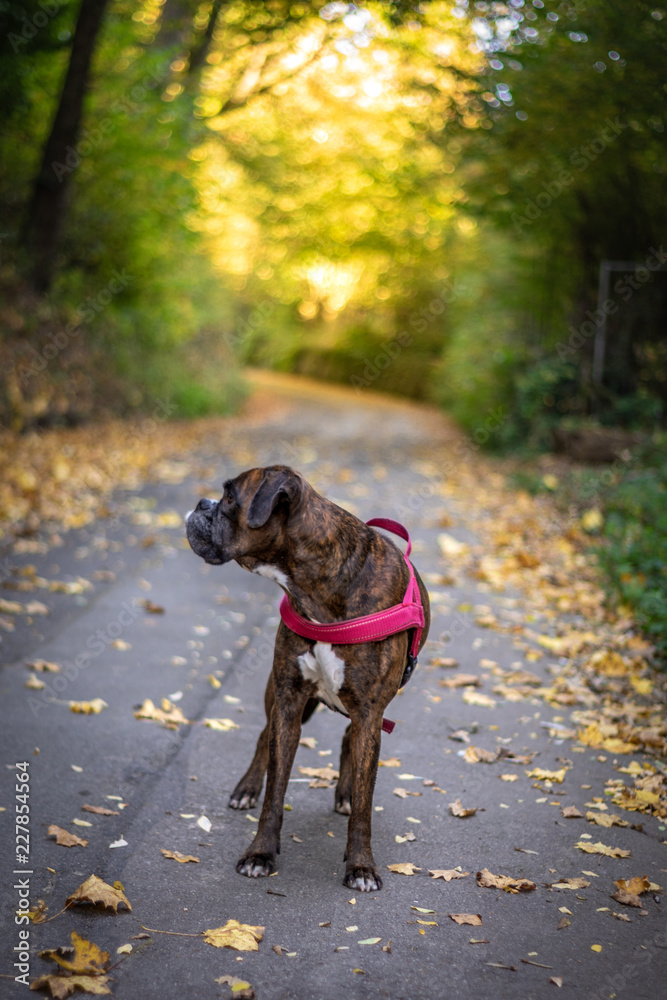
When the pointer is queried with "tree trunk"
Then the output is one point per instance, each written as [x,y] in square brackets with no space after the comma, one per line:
[200,49]
[46,214]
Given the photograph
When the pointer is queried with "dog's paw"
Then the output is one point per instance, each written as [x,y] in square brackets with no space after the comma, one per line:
[256,865]
[343,805]
[241,798]
[363,879]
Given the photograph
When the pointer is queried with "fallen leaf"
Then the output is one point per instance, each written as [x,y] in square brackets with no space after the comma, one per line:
[636,885]
[421,909]
[170,714]
[474,919]
[390,762]
[404,868]
[563,923]
[308,741]
[408,837]
[456,809]
[508,777]
[43,666]
[81,957]
[460,735]
[487,880]
[241,937]
[543,775]
[93,707]
[177,856]
[220,725]
[596,947]
[472,697]
[569,883]
[605,819]
[387,947]
[64,838]
[447,873]
[204,823]
[81,822]
[153,609]
[327,773]
[125,949]
[239,987]
[94,890]
[476,755]
[121,644]
[460,680]
[34,684]
[101,810]
[571,812]
[371,940]
[62,987]
[599,848]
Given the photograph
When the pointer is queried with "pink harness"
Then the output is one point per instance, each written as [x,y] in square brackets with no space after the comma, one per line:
[371,628]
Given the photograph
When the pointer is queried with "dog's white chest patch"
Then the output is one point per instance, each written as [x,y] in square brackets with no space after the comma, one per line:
[327,670]
[273,573]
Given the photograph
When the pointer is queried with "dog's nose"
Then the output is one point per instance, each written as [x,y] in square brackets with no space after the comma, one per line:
[205,504]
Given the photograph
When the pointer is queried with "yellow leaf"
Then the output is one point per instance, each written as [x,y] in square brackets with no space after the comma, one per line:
[241,937]
[591,520]
[475,755]
[170,714]
[93,707]
[599,848]
[543,775]
[472,697]
[642,685]
[390,762]
[596,947]
[220,725]
[327,773]
[404,868]
[94,890]
[83,957]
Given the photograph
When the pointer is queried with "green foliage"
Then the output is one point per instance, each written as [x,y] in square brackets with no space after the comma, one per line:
[634,553]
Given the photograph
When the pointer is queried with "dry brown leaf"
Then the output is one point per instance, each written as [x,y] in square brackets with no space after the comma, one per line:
[569,883]
[308,741]
[599,848]
[81,957]
[327,773]
[474,919]
[241,937]
[443,661]
[64,838]
[101,810]
[153,609]
[94,890]
[404,868]
[62,987]
[636,885]
[177,856]
[477,755]
[571,812]
[488,880]
[556,980]
[93,707]
[169,713]
[605,819]
[221,725]
[456,809]
[403,793]
[447,873]
[460,680]
[390,762]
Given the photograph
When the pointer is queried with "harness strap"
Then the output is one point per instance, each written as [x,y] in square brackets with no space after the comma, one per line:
[409,614]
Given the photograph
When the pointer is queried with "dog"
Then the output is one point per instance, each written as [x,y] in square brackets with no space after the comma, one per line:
[333,567]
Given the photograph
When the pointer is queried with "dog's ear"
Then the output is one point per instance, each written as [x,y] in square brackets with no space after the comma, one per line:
[278,485]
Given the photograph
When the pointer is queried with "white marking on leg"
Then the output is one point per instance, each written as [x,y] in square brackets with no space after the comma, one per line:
[327,671]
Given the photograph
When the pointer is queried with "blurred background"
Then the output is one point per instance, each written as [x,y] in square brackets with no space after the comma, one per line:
[458,202]
[188,188]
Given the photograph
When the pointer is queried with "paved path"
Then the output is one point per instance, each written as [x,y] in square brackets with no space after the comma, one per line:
[379,457]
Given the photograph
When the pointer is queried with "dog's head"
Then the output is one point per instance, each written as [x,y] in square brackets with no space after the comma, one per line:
[249,521]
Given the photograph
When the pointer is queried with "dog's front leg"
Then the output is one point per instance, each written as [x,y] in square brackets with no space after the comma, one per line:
[364,749]
[284,732]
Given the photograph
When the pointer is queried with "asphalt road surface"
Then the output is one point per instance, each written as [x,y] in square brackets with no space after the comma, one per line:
[156,622]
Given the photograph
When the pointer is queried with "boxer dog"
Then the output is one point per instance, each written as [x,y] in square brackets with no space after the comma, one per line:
[333,568]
